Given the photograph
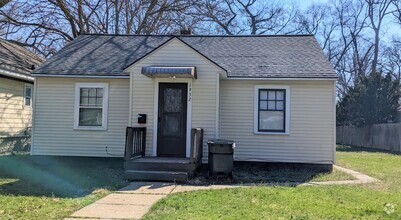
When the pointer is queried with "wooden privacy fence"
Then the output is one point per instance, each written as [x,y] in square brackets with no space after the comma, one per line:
[378,136]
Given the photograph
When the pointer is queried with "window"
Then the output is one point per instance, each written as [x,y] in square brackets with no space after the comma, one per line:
[91,106]
[271,109]
[28,95]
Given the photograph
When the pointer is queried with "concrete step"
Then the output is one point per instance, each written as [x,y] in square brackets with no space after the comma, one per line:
[159,166]
[161,175]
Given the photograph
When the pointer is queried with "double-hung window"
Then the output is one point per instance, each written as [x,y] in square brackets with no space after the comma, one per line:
[271,109]
[91,101]
[28,92]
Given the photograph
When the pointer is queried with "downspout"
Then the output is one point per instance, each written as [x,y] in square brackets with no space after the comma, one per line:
[33,114]
[218,111]
[130,100]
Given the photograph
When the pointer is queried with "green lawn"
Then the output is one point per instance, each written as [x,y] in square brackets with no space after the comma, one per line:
[336,175]
[378,164]
[54,187]
[372,201]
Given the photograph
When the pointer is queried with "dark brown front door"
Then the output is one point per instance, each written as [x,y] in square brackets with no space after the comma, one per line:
[172,119]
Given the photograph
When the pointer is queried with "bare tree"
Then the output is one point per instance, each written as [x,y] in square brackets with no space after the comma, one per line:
[45,25]
[391,62]
[253,17]
[339,27]
[397,11]
[3,2]
[377,11]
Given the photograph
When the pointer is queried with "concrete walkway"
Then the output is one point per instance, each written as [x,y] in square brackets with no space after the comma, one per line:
[134,200]
[360,178]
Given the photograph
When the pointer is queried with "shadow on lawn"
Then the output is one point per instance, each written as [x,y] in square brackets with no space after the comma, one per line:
[58,176]
[349,148]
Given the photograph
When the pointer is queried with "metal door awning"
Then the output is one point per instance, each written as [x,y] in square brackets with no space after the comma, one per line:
[169,71]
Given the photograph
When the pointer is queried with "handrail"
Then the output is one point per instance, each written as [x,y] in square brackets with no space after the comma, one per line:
[196,145]
[135,142]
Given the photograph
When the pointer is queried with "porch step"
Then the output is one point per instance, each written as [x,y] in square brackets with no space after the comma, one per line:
[156,175]
[159,166]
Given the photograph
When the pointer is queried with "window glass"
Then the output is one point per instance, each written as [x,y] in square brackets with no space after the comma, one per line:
[272,95]
[280,95]
[28,95]
[271,105]
[90,107]
[271,110]
[263,105]
[271,120]
[90,117]
[280,105]
[263,95]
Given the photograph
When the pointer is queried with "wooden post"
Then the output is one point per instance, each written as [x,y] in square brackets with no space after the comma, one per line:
[128,143]
[192,150]
[143,141]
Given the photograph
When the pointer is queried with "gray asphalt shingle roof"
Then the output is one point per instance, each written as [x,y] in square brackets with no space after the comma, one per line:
[17,59]
[292,56]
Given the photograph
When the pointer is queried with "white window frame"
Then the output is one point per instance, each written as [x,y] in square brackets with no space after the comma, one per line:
[27,85]
[105,87]
[287,109]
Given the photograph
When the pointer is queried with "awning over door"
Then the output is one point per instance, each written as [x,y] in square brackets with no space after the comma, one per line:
[169,71]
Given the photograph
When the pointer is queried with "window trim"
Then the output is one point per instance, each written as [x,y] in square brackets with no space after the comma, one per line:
[286,107]
[105,87]
[28,85]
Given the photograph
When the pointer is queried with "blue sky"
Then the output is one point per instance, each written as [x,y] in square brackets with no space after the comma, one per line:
[303,4]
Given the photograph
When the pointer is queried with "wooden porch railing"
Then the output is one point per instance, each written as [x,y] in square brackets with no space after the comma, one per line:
[135,142]
[196,145]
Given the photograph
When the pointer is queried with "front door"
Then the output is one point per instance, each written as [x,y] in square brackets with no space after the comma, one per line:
[172,120]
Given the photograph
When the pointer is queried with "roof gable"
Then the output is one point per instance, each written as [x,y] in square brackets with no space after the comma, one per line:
[171,40]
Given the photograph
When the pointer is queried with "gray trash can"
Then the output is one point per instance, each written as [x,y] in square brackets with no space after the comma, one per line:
[221,160]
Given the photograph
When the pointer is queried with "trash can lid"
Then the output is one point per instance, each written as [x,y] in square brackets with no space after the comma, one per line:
[220,141]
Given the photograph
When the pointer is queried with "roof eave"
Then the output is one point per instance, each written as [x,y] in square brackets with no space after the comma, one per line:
[123,75]
[16,75]
[281,78]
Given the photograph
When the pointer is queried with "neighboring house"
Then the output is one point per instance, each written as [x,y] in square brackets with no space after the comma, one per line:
[273,95]
[16,93]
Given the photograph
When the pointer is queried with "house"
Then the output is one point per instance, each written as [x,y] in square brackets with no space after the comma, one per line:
[273,95]
[16,85]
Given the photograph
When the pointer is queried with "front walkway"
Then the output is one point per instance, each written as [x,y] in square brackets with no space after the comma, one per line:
[134,200]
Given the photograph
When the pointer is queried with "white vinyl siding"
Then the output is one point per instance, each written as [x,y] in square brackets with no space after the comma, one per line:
[312,122]
[15,117]
[204,89]
[53,131]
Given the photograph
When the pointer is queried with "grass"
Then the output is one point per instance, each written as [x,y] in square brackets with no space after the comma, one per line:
[53,187]
[336,175]
[372,201]
[379,164]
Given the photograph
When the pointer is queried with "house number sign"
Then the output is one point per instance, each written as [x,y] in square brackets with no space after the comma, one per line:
[189,92]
